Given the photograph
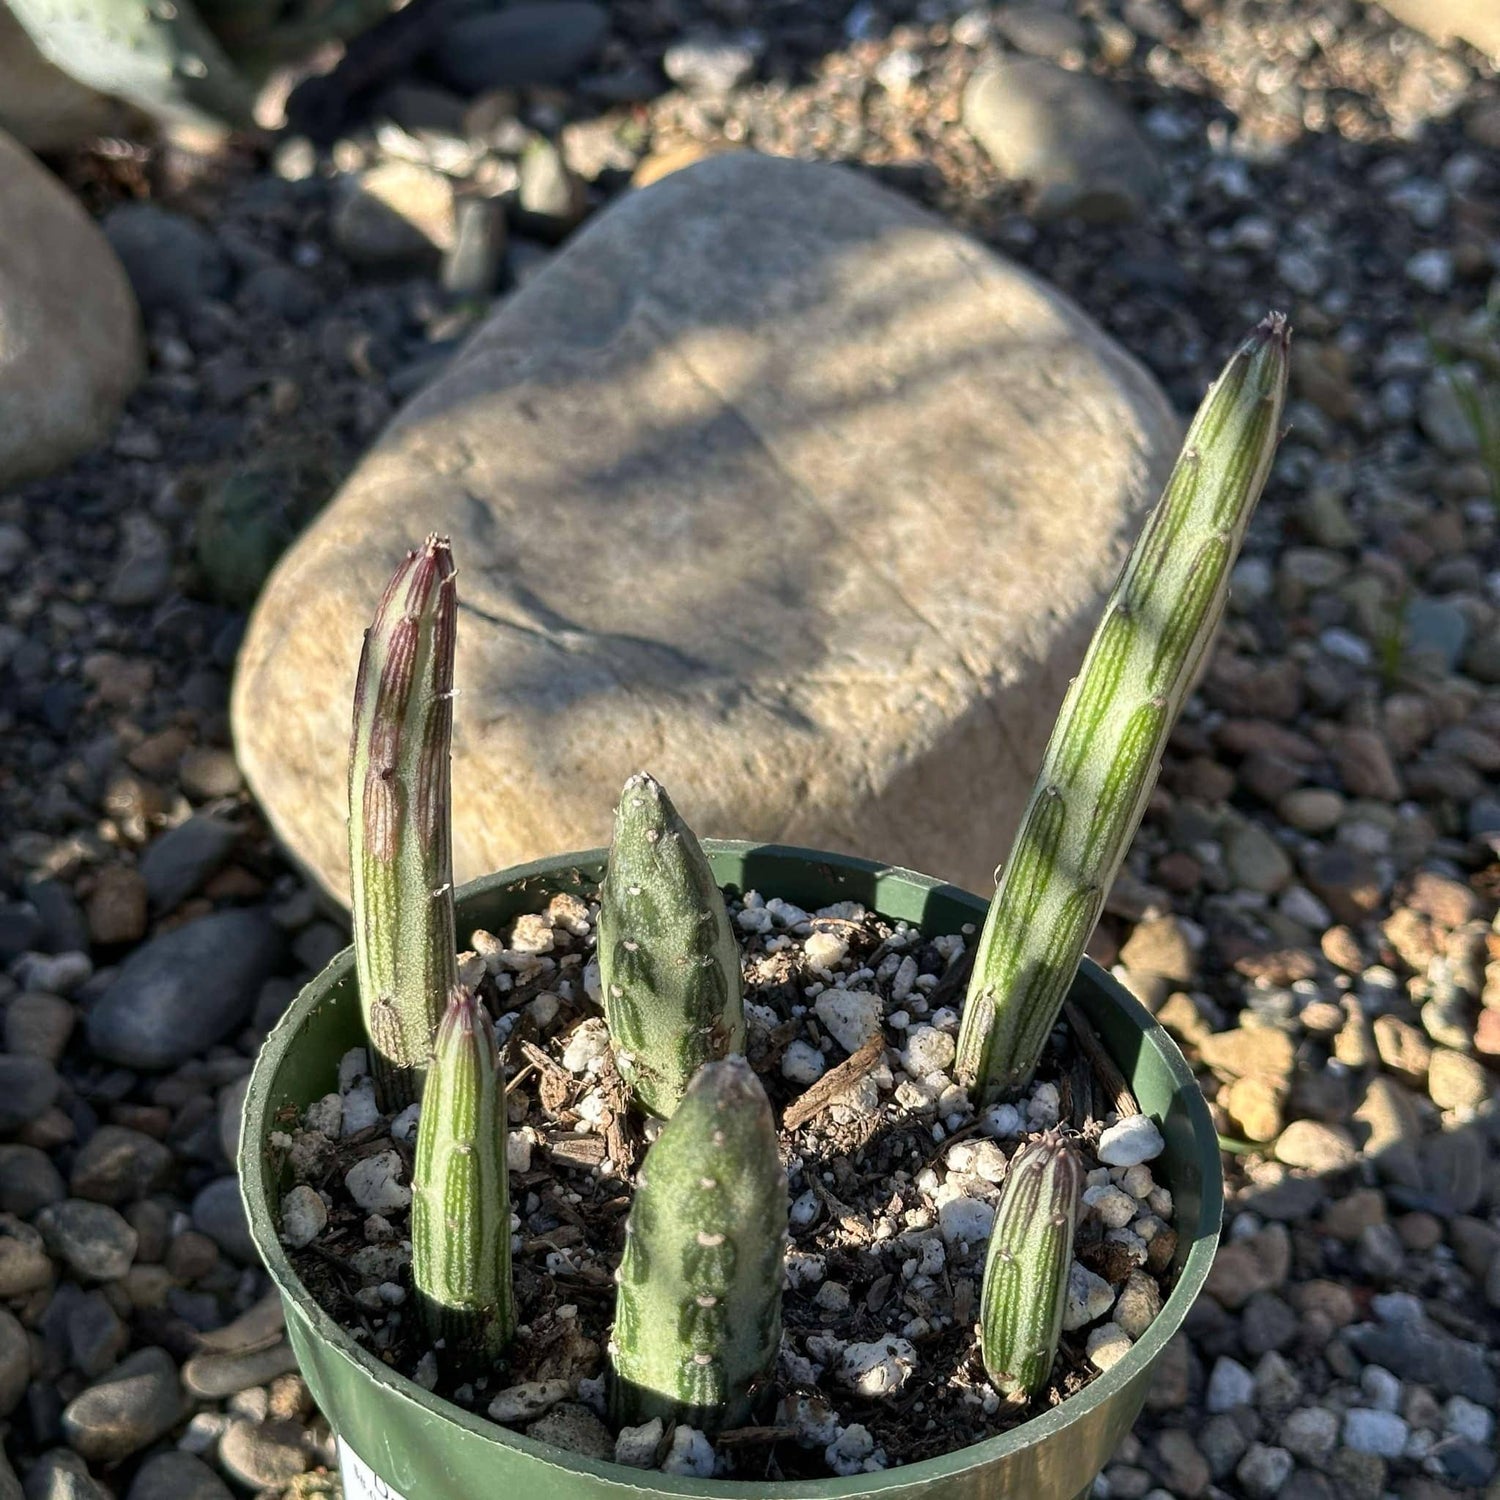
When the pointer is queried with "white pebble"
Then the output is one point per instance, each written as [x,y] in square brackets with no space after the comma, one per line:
[878,1369]
[1311,1433]
[1114,1207]
[805,1208]
[375,1183]
[1107,1345]
[965,1221]
[803,1268]
[303,1216]
[588,1045]
[1002,1122]
[1138,1182]
[532,934]
[1467,1419]
[326,1115]
[359,1109]
[691,1455]
[1135,1139]
[928,1051]
[979,1158]
[543,1009]
[851,1017]
[786,914]
[1378,1432]
[802,1063]
[854,1452]
[205,1429]
[518,1146]
[904,979]
[825,950]
[1089,1297]
[816,1422]
[527,1401]
[833,1296]
[404,1126]
[1381,1389]
[856,1102]
[569,912]
[1044,1106]
[636,1446]
[1230,1385]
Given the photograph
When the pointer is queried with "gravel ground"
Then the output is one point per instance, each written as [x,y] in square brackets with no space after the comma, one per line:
[1309,905]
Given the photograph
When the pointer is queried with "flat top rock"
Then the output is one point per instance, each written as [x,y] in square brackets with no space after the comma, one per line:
[770,483]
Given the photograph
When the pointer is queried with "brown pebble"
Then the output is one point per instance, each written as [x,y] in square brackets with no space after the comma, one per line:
[1364,762]
[116,908]
[290,1399]
[1159,945]
[1345,881]
[1348,1217]
[1179,871]
[1487,1033]
[1330,1299]
[158,754]
[1419,1231]
[48,1131]
[1404,1049]
[1246,1051]
[1341,949]
[191,1255]
[1254,1106]
[149,1119]
[1450,903]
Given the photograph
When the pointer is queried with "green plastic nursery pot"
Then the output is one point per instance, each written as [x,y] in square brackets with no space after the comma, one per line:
[398,1440]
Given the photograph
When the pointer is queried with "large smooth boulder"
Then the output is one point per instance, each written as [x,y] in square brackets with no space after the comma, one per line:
[70,336]
[771,484]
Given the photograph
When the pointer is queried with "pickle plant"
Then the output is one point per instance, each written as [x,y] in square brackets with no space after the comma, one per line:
[699,1288]
[698,1312]
[400,839]
[669,967]
[460,1207]
[1102,759]
[1025,1289]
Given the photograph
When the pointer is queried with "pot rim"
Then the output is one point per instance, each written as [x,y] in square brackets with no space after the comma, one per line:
[258,1193]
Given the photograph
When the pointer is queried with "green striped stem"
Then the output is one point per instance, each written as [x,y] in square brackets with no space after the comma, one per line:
[460,1207]
[1105,751]
[698,1313]
[669,967]
[400,842]
[1025,1289]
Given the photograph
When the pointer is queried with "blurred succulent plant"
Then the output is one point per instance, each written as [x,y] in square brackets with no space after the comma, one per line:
[184,63]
